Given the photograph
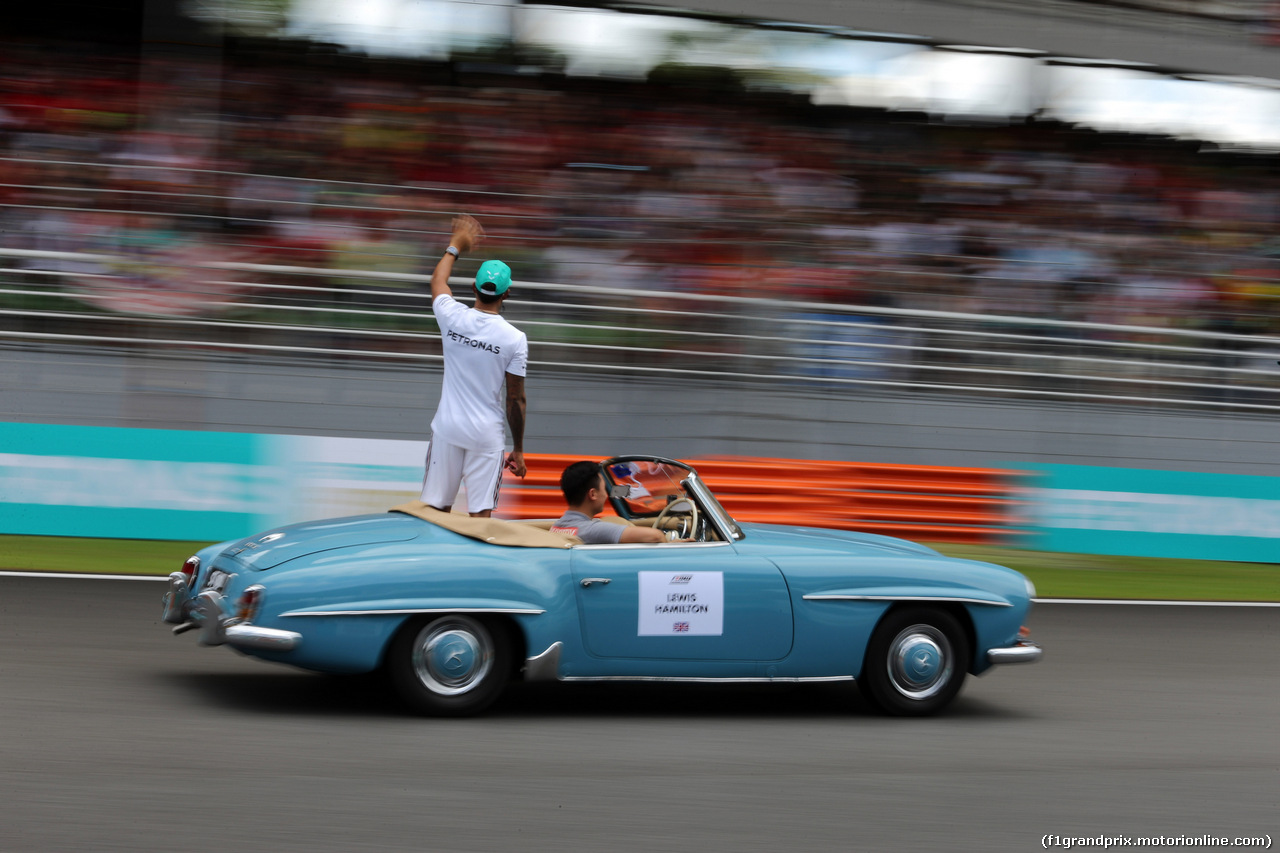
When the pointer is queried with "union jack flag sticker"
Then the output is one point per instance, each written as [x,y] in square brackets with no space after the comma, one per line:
[680,627]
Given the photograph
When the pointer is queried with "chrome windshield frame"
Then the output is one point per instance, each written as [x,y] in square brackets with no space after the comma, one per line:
[728,529]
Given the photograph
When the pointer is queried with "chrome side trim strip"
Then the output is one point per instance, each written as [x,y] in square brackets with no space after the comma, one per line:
[409,610]
[753,679]
[955,598]
[1021,653]
[546,666]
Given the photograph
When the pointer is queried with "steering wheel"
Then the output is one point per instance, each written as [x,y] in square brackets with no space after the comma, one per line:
[689,508]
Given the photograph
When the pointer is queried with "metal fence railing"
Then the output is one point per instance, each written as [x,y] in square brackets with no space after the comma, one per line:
[73,298]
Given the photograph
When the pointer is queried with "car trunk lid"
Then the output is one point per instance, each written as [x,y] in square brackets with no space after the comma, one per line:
[268,550]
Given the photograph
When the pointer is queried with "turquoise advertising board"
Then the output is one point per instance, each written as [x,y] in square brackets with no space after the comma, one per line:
[58,480]
[1135,512]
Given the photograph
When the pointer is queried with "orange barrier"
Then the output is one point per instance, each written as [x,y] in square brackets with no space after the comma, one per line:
[919,502]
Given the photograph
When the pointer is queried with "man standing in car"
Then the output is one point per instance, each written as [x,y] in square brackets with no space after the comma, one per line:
[482,353]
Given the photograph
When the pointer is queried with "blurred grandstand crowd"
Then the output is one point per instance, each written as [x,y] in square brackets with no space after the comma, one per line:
[297,158]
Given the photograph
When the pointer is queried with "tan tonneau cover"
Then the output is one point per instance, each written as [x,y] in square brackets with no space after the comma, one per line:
[495,531]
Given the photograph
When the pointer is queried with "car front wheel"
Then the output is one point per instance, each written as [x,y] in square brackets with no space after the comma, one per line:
[916,662]
[449,666]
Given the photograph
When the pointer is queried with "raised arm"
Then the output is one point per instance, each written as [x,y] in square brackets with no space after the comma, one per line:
[515,419]
[466,235]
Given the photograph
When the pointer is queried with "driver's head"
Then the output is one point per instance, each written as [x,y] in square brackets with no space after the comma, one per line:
[579,479]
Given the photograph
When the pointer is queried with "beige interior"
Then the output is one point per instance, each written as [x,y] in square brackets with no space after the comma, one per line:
[530,533]
[495,531]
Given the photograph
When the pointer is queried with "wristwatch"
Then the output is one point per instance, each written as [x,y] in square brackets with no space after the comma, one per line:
[452,250]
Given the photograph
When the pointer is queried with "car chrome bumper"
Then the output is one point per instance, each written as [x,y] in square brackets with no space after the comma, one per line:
[217,629]
[1018,653]
[176,606]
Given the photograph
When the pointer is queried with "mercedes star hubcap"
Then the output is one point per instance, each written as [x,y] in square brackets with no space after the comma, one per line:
[451,658]
[920,661]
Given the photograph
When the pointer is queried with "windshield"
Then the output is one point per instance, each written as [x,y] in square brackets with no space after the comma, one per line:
[648,485]
[642,487]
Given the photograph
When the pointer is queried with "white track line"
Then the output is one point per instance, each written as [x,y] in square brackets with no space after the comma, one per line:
[1146,602]
[83,576]
[1156,602]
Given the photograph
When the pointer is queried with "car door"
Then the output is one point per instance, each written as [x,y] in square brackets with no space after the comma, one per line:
[695,601]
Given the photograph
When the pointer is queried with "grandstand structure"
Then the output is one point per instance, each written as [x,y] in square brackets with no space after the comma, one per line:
[1222,37]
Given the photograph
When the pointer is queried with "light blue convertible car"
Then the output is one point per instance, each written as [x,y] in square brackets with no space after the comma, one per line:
[454,607]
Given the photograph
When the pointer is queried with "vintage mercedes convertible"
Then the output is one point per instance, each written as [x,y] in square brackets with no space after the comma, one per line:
[454,607]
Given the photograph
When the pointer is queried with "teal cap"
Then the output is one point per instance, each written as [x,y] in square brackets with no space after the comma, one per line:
[494,278]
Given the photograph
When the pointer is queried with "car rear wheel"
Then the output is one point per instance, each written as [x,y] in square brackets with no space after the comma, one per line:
[449,666]
[916,662]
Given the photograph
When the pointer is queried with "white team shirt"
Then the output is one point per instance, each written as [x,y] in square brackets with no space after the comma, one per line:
[479,350]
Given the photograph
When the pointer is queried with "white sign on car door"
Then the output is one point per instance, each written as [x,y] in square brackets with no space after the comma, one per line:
[681,604]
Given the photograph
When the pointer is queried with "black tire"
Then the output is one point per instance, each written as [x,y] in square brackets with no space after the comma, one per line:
[450,666]
[916,662]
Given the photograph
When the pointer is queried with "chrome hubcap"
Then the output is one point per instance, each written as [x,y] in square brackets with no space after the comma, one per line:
[452,656]
[920,661]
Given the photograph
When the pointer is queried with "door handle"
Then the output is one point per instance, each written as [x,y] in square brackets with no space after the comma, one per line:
[590,581]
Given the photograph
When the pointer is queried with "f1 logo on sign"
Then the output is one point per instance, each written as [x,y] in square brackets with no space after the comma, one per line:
[690,604]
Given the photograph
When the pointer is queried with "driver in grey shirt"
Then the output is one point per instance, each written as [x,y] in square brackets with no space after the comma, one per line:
[585,492]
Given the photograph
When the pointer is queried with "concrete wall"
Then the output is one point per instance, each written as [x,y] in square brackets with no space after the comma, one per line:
[598,415]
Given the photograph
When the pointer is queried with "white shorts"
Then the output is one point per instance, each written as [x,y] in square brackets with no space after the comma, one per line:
[449,466]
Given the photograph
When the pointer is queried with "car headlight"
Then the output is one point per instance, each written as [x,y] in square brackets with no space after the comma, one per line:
[1031,588]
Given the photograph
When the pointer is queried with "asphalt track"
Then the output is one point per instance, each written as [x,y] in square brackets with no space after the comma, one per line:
[117,736]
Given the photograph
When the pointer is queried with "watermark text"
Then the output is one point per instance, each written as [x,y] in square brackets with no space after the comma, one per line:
[1067,842]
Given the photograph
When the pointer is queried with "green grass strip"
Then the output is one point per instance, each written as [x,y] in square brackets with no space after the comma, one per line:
[1055,575]
[94,556]
[1097,576]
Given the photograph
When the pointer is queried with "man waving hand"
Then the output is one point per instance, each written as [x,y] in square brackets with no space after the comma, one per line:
[482,353]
